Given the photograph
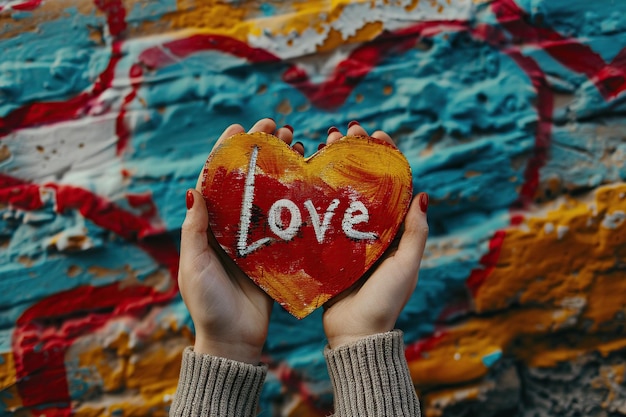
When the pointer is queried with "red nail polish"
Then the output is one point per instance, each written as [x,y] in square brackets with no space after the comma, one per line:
[189,199]
[332,129]
[321,146]
[423,202]
[353,123]
[289,127]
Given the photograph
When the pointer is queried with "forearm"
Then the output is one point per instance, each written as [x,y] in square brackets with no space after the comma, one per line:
[371,377]
[217,387]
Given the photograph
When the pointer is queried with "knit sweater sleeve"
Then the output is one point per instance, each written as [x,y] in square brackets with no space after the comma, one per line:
[217,387]
[371,378]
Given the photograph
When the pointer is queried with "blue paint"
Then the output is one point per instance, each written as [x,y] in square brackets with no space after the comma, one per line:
[60,61]
[267,9]
[150,11]
[491,358]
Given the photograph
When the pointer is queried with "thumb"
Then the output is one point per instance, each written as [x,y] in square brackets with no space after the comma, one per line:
[194,229]
[396,278]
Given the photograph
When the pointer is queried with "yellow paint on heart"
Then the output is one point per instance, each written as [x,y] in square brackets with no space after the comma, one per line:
[367,167]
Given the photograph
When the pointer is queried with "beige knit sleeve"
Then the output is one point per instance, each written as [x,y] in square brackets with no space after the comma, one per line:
[217,387]
[371,378]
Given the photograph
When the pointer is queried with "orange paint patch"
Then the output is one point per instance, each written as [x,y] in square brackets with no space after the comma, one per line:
[556,292]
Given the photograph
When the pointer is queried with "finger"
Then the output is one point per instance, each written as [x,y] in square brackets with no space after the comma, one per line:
[355,129]
[413,240]
[379,134]
[285,133]
[333,135]
[193,241]
[298,147]
[266,125]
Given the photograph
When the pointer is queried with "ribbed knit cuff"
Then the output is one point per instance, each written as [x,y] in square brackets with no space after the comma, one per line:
[212,386]
[371,378]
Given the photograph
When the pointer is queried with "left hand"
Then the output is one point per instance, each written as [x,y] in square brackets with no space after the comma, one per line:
[230,313]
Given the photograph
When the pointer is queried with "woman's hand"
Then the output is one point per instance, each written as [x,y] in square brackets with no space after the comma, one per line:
[230,313]
[372,306]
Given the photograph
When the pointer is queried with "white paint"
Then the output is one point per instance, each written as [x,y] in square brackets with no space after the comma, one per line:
[246,211]
[275,222]
[548,228]
[350,219]
[354,17]
[613,220]
[561,231]
[320,229]
[354,215]
[73,238]
[81,153]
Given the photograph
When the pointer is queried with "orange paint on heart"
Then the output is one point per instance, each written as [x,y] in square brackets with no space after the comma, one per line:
[302,229]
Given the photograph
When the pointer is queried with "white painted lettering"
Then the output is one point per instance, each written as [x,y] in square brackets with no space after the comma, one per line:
[354,215]
[275,221]
[246,211]
[320,229]
[350,220]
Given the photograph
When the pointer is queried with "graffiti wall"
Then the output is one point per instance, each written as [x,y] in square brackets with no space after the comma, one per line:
[510,112]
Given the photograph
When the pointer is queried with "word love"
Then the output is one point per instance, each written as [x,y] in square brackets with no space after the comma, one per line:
[305,229]
[355,214]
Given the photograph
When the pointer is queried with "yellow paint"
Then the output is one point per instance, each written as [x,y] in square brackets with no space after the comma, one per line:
[139,379]
[560,269]
[293,19]
[109,362]
[299,293]
[10,396]
[48,10]
[154,372]
[538,266]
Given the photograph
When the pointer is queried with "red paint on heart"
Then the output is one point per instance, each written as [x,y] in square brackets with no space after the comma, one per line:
[314,263]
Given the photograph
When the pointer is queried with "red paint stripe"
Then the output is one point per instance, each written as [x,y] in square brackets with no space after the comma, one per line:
[115,13]
[333,92]
[47,329]
[609,79]
[169,53]
[37,114]
[26,5]
[122,130]
[415,351]
[488,261]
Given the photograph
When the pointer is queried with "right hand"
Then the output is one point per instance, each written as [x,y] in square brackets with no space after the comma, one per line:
[230,313]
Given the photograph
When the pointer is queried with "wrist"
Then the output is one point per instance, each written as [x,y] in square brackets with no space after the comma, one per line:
[348,339]
[240,352]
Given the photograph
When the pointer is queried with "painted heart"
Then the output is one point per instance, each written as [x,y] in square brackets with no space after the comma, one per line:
[305,229]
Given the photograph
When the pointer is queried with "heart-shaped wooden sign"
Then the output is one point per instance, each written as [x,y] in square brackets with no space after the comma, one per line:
[305,229]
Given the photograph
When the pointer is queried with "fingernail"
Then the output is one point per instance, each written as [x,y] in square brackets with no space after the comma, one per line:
[289,127]
[353,123]
[189,199]
[424,202]
[299,143]
[332,129]
[271,119]
[321,146]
